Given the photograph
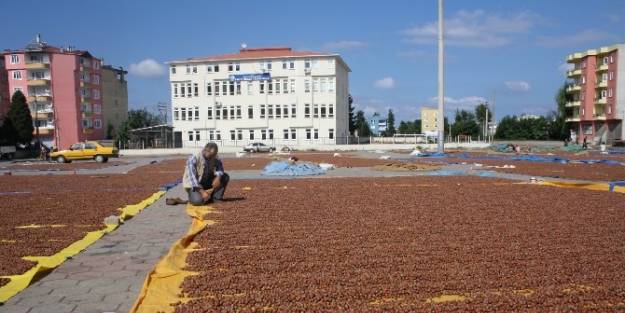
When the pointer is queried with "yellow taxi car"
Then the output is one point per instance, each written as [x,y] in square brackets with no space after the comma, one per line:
[88,150]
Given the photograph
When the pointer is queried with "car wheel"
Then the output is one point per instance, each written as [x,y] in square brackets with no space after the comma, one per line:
[99,159]
[61,159]
[106,159]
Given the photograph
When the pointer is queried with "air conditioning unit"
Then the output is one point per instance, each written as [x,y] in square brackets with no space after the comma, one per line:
[307,71]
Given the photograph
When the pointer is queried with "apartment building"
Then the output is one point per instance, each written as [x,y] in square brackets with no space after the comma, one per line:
[429,120]
[114,98]
[273,95]
[597,108]
[5,98]
[377,124]
[63,90]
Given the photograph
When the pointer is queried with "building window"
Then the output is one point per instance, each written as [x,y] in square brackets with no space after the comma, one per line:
[331,133]
[292,64]
[263,134]
[271,134]
[239,134]
[251,135]
[194,70]
[323,111]
[188,69]
[218,135]
[606,60]
[97,108]
[232,116]
[611,58]
[231,87]
[307,63]
[250,112]
[211,135]
[97,123]
[307,85]
[315,84]
[238,112]
[176,114]
[196,90]
[216,88]
[216,68]
[238,87]
[189,90]
[316,134]
[197,113]
[197,135]
[224,113]
[611,75]
[284,64]
[224,88]
[285,134]
[237,66]
[232,135]
[15,59]
[190,133]
[322,84]
[610,92]
[316,111]
[609,109]
[249,88]
[331,84]
[230,67]
[277,83]
[293,110]
[217,114]
[293,133]
[262,111]
[209,89]
[306,110]
[308,134]
[278,111]
[269,87]
[17,75]
[175,90]
[210,113]
[209,69]
[270,110]
[330,110]
[292,85]
[262,86]
[285,86]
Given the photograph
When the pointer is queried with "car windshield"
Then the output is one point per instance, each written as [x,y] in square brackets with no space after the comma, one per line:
[75,146]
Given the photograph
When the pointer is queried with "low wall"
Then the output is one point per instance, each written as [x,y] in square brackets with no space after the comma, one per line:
[364,147]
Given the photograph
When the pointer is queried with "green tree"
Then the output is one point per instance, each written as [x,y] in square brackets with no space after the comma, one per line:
[464,124]
[480,115]
[136,119]
[351,121]
[362,127]
[19,123]
[410,127]
[558,129]
[390,123]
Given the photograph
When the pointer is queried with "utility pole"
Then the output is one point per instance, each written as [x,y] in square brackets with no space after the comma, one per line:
[441,80]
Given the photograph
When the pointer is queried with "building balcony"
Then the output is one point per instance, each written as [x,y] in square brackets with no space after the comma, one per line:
[573,104]
[602,68]
[39,82]
[37,65]
[601,101]
[602,84]
[45,130]
[572,119]
[573,73]
[85,99]
[41,115]
[573,88]
[599,117]
[43,98]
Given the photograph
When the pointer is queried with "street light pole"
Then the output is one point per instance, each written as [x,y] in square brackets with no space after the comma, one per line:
[441,80]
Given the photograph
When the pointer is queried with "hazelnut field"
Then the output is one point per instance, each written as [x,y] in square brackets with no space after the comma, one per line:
[409,244]
[41,215]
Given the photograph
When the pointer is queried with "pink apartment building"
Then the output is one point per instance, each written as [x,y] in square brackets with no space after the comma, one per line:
[63,90]
[597,108]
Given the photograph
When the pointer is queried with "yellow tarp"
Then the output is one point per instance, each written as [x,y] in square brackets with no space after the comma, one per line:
[44,264]
[162,287]
[589,186]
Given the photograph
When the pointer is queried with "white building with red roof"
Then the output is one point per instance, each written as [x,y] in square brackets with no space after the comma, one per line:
[276,96]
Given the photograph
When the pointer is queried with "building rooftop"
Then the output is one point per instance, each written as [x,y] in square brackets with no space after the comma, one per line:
[257,53]
[38,45]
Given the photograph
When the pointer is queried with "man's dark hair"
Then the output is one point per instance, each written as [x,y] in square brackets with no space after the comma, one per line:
[211,145]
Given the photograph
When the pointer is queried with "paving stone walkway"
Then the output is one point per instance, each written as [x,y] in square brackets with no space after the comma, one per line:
[108,275]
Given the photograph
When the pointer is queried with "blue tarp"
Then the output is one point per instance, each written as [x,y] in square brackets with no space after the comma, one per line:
[535,158]
[432,155]
[284,168]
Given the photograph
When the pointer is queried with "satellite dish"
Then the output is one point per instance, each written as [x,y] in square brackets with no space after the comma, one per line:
[243,45]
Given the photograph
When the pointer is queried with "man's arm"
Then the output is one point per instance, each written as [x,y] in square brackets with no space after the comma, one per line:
[192,170]
[219,172]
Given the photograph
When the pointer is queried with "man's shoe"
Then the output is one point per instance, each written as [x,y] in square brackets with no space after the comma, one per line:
[174,201]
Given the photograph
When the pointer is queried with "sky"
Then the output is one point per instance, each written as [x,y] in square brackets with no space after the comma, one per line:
[512,51]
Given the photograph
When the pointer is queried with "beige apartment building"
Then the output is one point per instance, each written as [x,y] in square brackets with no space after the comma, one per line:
[114,98]
[429,120]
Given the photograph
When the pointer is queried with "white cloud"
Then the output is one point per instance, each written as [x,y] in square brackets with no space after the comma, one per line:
[518,85]
[475,29]
[147,68]
[583,37]
[463,103]
[384,83]
[343,45]
[564,67]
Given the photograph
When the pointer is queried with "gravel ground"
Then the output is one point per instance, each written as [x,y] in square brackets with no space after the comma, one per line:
[40,215]
[409,244]
[53,166]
